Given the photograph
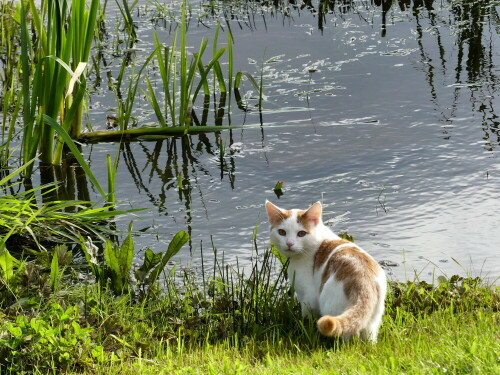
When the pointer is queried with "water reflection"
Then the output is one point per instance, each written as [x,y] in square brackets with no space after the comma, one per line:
[470,68]
[175,164]
[67,182]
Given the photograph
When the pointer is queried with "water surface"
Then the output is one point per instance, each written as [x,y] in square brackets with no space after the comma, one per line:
[386,115]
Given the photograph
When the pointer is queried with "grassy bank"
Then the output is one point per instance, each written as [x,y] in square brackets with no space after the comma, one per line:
[442,343]
[222,321]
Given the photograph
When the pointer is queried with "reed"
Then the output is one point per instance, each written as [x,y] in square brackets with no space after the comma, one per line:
[10,96]
[125,10]
[126,101]
[111,169]
[178,76]
[55,85]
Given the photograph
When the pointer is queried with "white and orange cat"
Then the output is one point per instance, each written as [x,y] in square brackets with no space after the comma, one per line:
[333,278]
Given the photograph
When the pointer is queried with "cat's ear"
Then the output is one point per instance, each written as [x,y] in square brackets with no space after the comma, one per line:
[274,213]
[314,213]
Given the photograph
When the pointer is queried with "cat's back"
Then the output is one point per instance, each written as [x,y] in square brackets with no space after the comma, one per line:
[346,262]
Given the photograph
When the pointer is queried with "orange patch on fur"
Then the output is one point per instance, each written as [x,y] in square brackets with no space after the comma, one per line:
[353,267]
[324,251]
[329,326]
[276,215]
[303,220]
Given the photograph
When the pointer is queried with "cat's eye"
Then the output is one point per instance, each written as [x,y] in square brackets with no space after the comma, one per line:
[302,233]
[281,232]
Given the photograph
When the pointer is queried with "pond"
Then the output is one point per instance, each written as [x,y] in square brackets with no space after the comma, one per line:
[384,110]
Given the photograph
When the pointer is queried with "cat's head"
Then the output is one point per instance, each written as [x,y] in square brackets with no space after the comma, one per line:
[293,232]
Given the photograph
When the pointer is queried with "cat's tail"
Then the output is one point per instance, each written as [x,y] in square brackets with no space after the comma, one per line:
[333,326]
[352,320]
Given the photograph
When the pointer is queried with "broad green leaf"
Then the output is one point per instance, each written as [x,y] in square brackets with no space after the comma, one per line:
[173,248]
[127,254]
[7,261]
[151,259]
[176,244]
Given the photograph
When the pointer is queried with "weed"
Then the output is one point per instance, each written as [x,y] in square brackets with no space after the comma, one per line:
[52,340]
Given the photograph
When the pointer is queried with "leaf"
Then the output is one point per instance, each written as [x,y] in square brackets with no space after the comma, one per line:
[346,236]
[278,255]
[151,259]
[278,189]
[10,176]
[111,258]
[15,331]
[7,261]
[176,244]
[252,80]
[173,248]
[126,254]
[279,185]
[74,78]
[54,271]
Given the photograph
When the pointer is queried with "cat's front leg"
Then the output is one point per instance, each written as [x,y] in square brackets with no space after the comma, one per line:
[306,310]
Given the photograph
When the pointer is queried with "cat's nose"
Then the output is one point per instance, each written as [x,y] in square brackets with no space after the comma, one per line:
[289,244]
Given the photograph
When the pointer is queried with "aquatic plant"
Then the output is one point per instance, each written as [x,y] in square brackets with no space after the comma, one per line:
[125,10]
[11,96]
[53,73]
[41,225]
[176,73]
[125,102]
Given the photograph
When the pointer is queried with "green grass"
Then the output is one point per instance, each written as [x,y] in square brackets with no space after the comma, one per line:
[441,343]
[222,321]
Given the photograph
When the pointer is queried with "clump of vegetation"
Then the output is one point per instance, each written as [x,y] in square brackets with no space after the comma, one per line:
[54,339]
[186,319]
[456,294]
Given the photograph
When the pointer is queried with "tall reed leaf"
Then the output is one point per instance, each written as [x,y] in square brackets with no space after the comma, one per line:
[65,33]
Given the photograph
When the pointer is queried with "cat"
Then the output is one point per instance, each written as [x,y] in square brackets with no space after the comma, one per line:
[333,278]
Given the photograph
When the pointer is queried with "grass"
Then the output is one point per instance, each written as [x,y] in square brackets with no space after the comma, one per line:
[225,321]
[436,348]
